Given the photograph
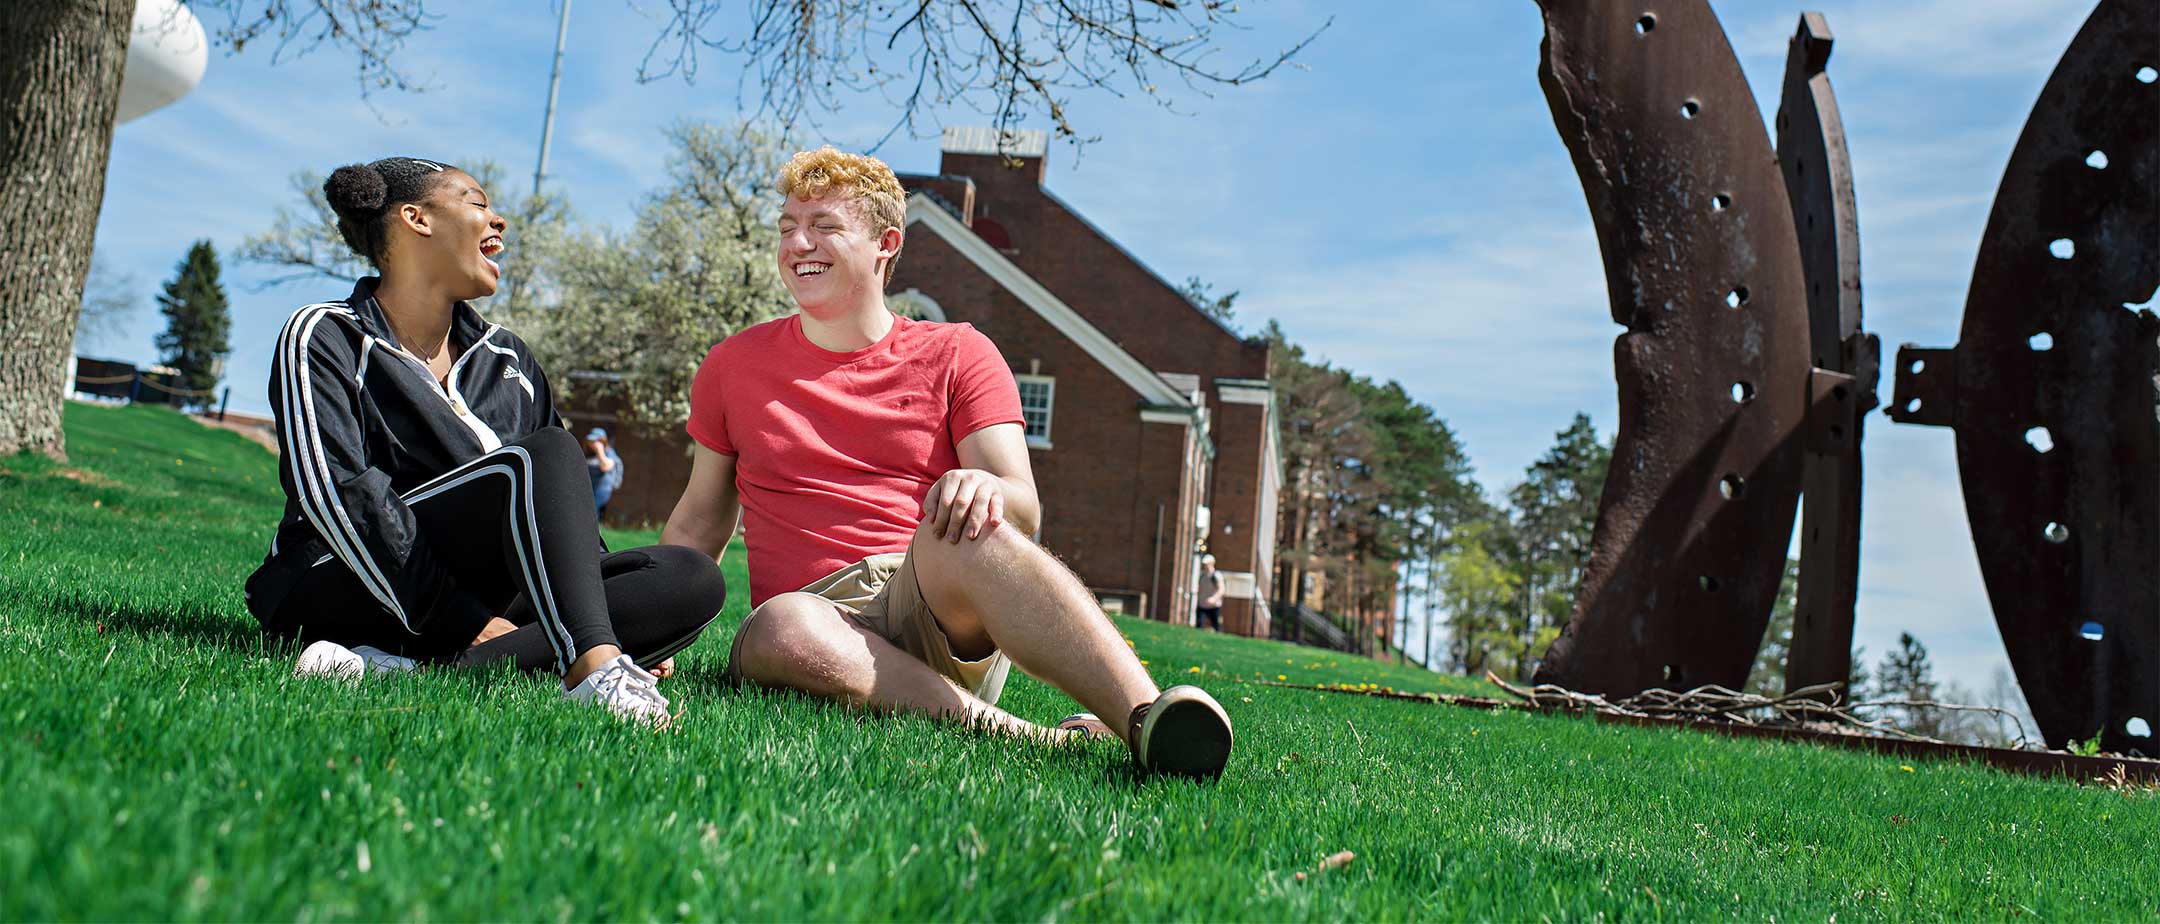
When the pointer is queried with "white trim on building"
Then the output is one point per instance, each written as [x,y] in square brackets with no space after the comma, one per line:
[1038,437]
[1244,391]
[923,306]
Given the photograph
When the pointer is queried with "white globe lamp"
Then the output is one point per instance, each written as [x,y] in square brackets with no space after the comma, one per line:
[167,52]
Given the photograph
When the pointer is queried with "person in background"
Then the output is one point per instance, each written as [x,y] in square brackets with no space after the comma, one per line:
[603,466]
[1210,616]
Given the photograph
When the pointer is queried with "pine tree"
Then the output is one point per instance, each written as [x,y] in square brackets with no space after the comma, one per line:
[1768,675]
[1907,674]
[1555,513]
[197,324]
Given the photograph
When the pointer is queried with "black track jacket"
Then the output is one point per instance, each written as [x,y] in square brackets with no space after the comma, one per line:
[360,421]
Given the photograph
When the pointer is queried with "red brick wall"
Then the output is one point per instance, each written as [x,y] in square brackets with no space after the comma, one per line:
[1100,280]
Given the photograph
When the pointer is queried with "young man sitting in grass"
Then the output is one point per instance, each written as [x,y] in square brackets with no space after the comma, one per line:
[881,467]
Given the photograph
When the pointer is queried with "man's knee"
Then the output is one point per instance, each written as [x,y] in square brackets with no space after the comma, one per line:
[784,636]
[999,549]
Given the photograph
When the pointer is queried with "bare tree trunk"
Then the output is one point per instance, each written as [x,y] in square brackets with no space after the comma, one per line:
[1432,593]
[60,68]
[1300,554]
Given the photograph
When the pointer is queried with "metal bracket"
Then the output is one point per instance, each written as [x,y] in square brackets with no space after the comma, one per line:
[1926,388]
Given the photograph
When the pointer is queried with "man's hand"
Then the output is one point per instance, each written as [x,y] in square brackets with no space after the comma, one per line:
[964,504]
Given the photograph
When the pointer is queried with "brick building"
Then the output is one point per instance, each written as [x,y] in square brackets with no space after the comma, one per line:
[1151,426]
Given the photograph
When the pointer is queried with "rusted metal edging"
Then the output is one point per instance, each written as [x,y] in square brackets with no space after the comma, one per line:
[2075,767]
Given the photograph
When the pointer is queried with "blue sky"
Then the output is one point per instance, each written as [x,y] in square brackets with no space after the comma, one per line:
[1400,203]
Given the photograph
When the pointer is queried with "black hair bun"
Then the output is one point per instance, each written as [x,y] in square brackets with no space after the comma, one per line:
[356,189]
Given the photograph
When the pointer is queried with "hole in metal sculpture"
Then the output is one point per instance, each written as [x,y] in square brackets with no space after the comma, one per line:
[2056,532]
[2040,439]
[1720,202]
[1689,109]
[1742,392]
[1736,297]
[1913,406]
[2062,248]
[1732,487]
[2137,727]
[1918,366]
[2096,160]
[2151,301]
[2041,342]
[2092,631]
[2145,74]
[1707,583]
[1672,673]
[1645,24]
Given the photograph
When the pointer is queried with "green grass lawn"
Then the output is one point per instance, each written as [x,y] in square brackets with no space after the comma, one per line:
[160,762]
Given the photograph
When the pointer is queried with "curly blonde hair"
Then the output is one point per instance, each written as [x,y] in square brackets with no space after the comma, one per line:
[876,192]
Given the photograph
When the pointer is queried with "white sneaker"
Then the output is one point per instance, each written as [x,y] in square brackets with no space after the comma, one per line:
[335,661]
[626,690]
[383,662]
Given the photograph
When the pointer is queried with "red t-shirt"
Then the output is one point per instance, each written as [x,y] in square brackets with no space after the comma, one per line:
[834,452]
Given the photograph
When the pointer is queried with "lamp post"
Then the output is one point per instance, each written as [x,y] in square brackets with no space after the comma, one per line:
[547,124]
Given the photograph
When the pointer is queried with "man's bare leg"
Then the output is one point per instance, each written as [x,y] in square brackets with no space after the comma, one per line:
[801,642]
[1004,587]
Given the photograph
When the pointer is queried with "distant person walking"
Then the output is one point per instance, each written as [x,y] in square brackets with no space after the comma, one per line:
[603,466]
[1210,608]
[433,511]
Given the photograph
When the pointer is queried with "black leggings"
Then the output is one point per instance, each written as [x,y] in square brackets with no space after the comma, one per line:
[516,537]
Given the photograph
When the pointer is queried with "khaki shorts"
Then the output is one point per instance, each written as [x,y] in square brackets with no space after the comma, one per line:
[880,595]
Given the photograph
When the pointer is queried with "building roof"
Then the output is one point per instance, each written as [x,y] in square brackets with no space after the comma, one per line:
[975,139]
[1153,391]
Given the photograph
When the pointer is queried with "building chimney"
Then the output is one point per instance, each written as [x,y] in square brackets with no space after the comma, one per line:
[984,152]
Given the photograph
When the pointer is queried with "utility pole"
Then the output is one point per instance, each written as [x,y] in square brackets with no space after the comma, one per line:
[547,125]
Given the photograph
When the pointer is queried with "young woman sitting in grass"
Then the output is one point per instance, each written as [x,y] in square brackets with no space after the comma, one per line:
[436,510]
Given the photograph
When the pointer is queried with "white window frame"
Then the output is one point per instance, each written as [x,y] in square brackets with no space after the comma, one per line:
[1049,384]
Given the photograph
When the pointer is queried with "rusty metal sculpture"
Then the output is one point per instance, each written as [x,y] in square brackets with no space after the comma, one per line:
[2053,394]
[1818,183]
[1703,267]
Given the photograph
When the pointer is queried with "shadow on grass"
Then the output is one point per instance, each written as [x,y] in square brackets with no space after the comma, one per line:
[218,629]
[197,624]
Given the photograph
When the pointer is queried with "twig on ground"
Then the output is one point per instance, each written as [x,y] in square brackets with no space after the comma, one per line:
[1818,706]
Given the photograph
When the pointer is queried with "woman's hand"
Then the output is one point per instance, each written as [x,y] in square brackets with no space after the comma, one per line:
[496,627]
